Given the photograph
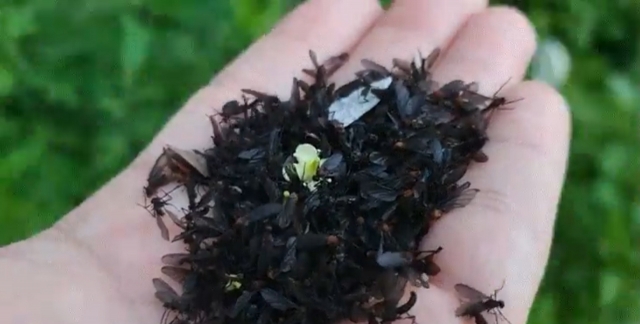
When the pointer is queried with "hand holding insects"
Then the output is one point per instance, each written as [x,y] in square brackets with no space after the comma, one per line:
[96,263]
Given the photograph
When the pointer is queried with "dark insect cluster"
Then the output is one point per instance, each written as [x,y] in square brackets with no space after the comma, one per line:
[296,216]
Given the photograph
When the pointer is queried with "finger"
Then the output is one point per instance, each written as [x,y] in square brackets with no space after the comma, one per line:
[409,26]
[493,47]
[121,233]
[325,26]
[505,232]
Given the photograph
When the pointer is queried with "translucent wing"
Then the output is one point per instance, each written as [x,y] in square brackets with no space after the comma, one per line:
[175,273]
[175,259]
[470,293]
[276,299]
[164,231]
[264,211]
[164,292]
[241,303]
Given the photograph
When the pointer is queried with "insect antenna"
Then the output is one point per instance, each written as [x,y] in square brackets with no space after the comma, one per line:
[144,195]
[166,194]
[147,209]
[501,87]
[496,311]
[436,251]
[170,191]
[495,292]
[165,316]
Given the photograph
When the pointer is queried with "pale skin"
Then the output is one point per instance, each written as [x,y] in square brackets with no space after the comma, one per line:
[96,264]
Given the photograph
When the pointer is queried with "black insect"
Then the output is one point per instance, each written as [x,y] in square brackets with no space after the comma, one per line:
[276,300]
[159,175]
[310,241]
[177,274]
[175,165]
[333,166]
[276,232]
[287,213]
[241,303]
[168,296]
[157,206]
[458,196]
[290,257]
[322,71]
[478,302]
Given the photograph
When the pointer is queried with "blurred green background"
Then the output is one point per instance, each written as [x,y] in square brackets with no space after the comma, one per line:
[84,85]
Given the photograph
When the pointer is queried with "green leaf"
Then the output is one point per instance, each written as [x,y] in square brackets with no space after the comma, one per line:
[17,22]
[6,80]
[134,50]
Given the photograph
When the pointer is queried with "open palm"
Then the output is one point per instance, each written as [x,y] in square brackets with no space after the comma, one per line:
[96,264]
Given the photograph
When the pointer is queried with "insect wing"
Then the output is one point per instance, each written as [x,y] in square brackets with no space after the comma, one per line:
[452,88]
[259,95]
[270,189]
[164,231]
[375,190]
[264,211]
[437,115]
[175,259]
[333,63]
[241,303]
[378,158]
[231,108]
[314,59]
[218,219]
[412,107]
[290,256]
[466,309]
[480,319]
[402,65]
[218,137]
[333,165]
[469,293]
[206,198]
[402,94]
[252,154]
[175,273]
[158,176]
[454,175]
[480,157]
[176,220]
[437,150]
[286,214]
[192,159]
[373,66]
[462,200]
[164,292]
[406,307]
[276,299]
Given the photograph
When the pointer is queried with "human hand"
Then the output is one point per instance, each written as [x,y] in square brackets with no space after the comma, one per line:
[96,264]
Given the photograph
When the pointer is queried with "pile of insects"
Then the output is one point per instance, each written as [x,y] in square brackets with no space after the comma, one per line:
[312,210]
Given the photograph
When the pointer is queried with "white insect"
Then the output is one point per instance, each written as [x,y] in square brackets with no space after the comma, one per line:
[348,109]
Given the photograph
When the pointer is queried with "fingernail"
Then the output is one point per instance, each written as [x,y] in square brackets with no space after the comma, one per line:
[551,63]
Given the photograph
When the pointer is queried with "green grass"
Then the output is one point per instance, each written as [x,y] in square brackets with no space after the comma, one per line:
[84,85]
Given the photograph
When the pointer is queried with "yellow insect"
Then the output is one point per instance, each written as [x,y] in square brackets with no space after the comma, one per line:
[233,283]
[308,162]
